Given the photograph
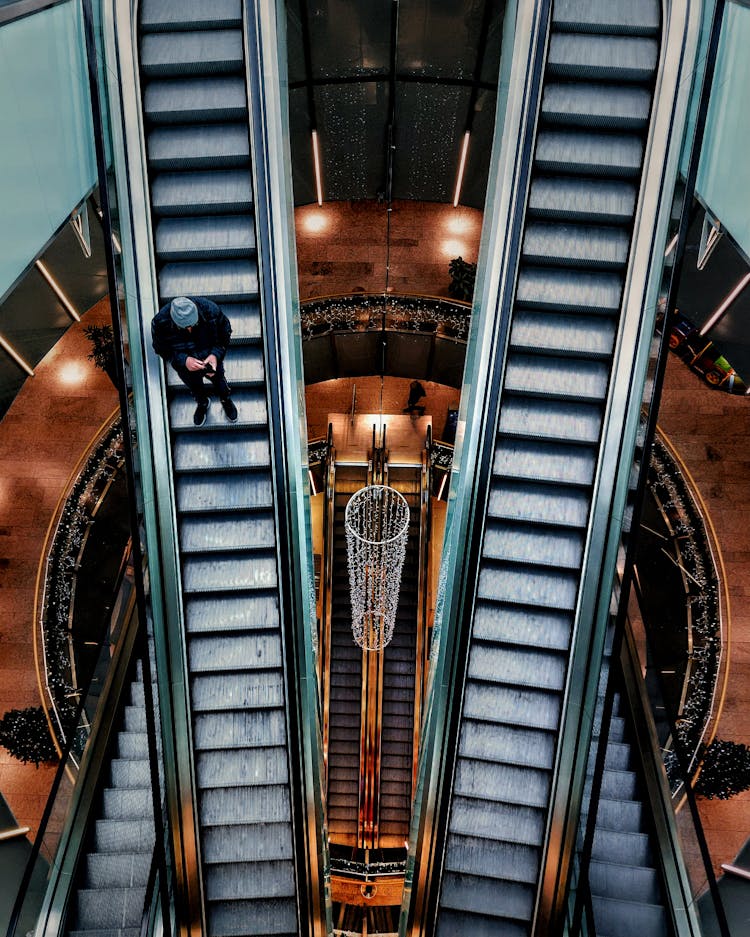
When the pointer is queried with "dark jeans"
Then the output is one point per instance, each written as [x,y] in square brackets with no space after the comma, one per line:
[193,380]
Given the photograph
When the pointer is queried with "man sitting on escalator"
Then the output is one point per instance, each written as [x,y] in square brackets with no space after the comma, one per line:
[192,334]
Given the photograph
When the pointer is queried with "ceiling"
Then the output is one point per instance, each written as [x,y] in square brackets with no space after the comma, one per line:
[418,73]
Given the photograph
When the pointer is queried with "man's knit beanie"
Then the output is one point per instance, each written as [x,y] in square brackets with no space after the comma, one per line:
[184,312]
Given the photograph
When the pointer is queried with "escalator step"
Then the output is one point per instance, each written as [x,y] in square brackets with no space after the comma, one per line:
[258,690]
[602,58]
[482,819]
[200,52]
[242,768]
[219,280]
[480,895]
[243,367]
[639,17]
[157,15]
[566,378]
[228,572]
[112,907]
[538,503]
[482,701]
[237,880]
[235,531]
[545,459]
[230,612]
[508,624]
[129,774]
[202,146]
[575,245]
[259,917]
[236,651]
[222,492]
[458,923]
[246,729]
[513,745]
[625,918]
[195,100]
[127,804]
[201,451]
[621,848]
[555,420]
[625,815]
[483,780]
[495,859]
[216,237]
[245,319]
[266,842]
[132,745]
[224,806]
[251,412]
[624,882]
[561,334]
[123,836]
[619,756]
[591,200]
[540,669]
[568,290]
[585,153]
[519,543]
[201,192]
[591,105]
[104,870]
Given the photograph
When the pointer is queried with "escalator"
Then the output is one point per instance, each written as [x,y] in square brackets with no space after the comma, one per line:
[596,101]
[196,119]
[345,694]
[399,676]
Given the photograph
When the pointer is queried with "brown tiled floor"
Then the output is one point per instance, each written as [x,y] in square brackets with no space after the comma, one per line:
[42,436]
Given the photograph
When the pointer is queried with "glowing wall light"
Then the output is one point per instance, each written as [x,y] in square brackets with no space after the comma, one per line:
[69,307]
[461,167]
[316,163]
[9,349]
[726,304]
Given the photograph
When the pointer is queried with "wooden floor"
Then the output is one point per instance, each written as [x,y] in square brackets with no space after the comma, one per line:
[341,249]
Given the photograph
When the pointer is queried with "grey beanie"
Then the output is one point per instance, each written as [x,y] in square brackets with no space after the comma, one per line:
[184,312]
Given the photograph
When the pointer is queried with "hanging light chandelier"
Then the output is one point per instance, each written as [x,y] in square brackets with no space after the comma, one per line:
[377,527]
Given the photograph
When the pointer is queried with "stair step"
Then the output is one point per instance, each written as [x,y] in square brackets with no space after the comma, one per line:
[253,842]
[639,17]
[560,334]
[256,690]
[200,451]
[538,502]
[251,411]
[225,806]
[582,152]
[230,612]
[596,105]
[602,58]
[556,420]
[242,767]
[546,460]
[219,280]
[188,14]
[250,729]
[199,52]
[229,572]
[548,628]
[576,199]
[232,881]
[195,100]
[519,543]
[216,237]
[483,780]
[196,146]
[249,530]
[222,492]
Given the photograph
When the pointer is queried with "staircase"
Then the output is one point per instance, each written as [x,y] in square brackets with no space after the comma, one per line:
[624,883]
[594,119]
[399,669]
[345,700]
[111,883]
[195,112]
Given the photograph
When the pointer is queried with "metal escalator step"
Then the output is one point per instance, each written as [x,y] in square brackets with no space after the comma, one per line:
[622,848]
[575,245]
[572,378]
[581,199]
[245,319]
[201,192]
[135,719]
[197,451]
[236,805]
[594,105]
[548,628]
[519,543]
[638,17]
[544,460]
[188,14]
[560,334]
[569,291]
[540,669]
[216,237]
[616,729]
[452,923]
[509,784]
[625,882]
[222,492]
[105,932]
[626,815]
[509,744]
[491,703]
[586,153]
[218,280]
[192,52]
[213,692]
[241,768]
[115,869]
[618,756]
[201,146]
[557,420]
[195,100]
[479,895]
[254,842]
[483,819]
[132,745]
[126,836]
[539,503]
[231,881]
[625,918]
[230,612]
[619,785]
[112,907]
[251,412]
[228,573]
[137,693]
[261,916]
[128,804]
[235,651]
[126,773]
[537,587]
[236,531]
[602,58]
[216,731]
[495,859]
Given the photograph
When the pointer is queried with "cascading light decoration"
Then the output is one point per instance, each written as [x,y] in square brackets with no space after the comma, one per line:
[377,528]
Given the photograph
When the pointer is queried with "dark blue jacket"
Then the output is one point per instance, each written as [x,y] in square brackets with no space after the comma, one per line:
[209,336]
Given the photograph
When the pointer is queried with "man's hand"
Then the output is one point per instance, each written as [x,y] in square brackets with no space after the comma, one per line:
[194,364]
[211,363]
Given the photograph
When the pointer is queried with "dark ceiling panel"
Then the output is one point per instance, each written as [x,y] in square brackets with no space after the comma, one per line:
[491,63]
[294,42]
[351,127]
[348,37]
[477,168]
[439,38]
[303,176]
[430,120]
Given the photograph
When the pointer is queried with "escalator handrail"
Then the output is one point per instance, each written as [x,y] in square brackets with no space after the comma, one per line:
[679,40]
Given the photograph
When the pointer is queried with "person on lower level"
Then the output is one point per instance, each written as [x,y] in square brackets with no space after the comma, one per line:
[192,334]
[416,393]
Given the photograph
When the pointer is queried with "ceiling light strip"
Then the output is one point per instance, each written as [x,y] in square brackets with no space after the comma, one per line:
[69,307]
[7,347]
[316,163]
[726,304]
[461,167]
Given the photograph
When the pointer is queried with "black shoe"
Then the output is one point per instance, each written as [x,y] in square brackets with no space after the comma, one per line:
[229,408]
[199,417]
